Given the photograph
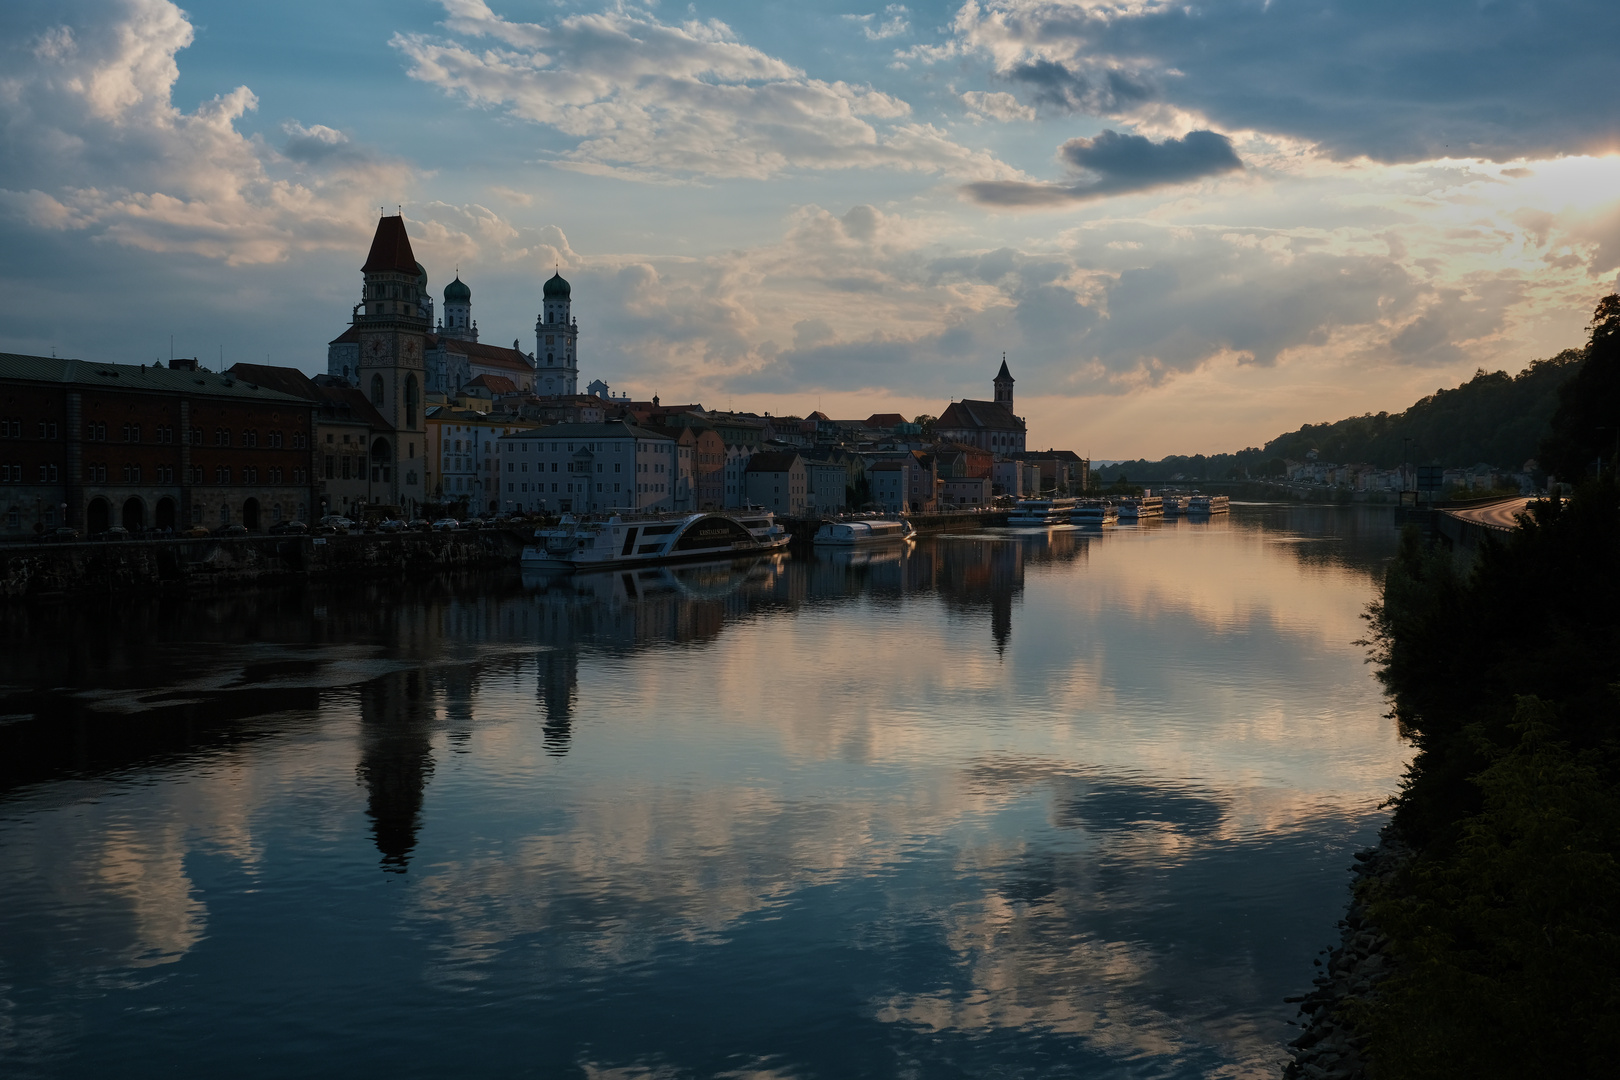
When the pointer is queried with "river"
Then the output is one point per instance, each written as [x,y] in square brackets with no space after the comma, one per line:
[1015,804]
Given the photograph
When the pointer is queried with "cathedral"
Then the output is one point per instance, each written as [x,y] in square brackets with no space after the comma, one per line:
[451,354]
[395,353]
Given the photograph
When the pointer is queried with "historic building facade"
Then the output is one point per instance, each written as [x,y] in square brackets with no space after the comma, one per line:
[90,446]
[451,353]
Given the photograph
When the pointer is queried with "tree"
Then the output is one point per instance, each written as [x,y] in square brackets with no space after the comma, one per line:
[925,422]
[1586,425]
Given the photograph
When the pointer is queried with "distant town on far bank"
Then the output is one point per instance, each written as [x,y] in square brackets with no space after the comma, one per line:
[416,416]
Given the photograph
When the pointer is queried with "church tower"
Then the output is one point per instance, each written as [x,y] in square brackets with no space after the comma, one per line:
[556,339]
[458,322]
[396,314]
[1004,385]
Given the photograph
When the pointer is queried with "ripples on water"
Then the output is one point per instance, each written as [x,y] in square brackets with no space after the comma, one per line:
[1015,804]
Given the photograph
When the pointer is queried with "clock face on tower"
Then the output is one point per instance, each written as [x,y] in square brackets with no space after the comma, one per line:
[377,347]
[410,350]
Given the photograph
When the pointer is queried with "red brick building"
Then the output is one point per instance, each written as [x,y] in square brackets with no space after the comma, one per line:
[94,445]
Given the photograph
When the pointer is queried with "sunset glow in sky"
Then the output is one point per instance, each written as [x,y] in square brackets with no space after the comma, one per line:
[1189,226]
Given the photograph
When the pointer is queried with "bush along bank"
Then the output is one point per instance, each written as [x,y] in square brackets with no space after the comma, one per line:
[1500,925]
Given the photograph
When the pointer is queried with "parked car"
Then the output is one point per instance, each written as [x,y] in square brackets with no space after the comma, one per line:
[289,528]
[231,530]
[338,522]
[418,524]
[63,534]
[389,525]
[446,525]
[115,532]
[197,532]
[471,523]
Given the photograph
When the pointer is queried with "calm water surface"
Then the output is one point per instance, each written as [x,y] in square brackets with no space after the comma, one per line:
[1015,804]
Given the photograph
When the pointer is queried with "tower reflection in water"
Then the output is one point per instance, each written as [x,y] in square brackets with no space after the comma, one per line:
[396,761]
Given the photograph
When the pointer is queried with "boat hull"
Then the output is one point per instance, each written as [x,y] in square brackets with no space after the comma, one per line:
[616,543]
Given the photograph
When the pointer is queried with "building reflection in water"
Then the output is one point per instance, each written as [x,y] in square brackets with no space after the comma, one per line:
[396,760]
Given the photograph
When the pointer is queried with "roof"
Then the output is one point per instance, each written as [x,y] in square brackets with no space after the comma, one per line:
[495,384]
[136,377]
[884,420]
[978,415]
[347,403]
[889,465]
[391,249]
[457,290]
[349,336]
[557,287]
[1004,375]
[488,355]
[613,429]
[287,380]
[773,461]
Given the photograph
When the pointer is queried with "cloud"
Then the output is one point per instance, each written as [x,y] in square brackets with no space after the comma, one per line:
[652,101]
[1116,164]
[893,26]
[1392,82]
[93,142]
[997,106]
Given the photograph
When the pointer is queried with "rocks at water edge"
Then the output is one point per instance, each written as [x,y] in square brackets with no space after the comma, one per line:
[1328,1049]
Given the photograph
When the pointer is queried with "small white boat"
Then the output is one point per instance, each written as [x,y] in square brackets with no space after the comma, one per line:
[586,544]
[1094,512]
[1174,505]
[1202,505]
[1148,506]
[1042,512]
[861,531]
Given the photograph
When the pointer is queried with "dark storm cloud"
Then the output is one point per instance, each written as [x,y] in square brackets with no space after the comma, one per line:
[1389,79]
[1116,164]
[1056,86]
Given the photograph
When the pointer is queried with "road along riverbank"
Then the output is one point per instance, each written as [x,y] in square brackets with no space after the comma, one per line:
[45,570]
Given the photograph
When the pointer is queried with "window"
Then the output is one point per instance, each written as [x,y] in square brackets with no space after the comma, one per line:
[222,475]
[250,438]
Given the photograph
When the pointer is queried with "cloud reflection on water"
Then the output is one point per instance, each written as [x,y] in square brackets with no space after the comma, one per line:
[1076,784]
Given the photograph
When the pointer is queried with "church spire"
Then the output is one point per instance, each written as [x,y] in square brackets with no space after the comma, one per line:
[1004,385]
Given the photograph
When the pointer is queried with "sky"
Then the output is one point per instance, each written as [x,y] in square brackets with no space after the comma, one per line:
[1189,227]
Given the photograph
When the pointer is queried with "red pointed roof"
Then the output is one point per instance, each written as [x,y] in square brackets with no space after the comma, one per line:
[390,248]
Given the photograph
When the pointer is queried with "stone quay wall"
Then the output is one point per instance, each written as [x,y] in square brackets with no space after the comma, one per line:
[99,567]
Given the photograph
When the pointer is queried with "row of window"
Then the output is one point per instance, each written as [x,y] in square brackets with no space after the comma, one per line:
[13,474]
[96,431]
[13,429]
[96,473]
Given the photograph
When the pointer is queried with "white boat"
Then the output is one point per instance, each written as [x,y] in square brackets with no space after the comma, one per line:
[1174,505]
[863,531]
[1148,506]
[1209,504]
[1094,512]
[1042,512]
[634,540]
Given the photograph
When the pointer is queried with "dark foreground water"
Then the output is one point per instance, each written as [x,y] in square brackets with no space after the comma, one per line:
[1014,805]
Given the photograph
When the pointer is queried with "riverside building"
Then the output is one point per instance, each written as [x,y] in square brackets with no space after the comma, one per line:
[587,468]
[89,446]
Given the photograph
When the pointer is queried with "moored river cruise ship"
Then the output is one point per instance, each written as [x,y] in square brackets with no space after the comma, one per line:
[1042,512]
[627,540]
[862,531]
[1148,506]
[1094,512]
[1209,504]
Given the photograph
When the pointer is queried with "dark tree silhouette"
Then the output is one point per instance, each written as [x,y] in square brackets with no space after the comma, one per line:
[1586,426]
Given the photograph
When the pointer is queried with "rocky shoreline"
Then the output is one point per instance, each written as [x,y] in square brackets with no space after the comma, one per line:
[1329,1048]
